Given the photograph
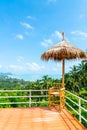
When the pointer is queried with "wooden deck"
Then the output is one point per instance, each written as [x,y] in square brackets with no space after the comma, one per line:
[37,118]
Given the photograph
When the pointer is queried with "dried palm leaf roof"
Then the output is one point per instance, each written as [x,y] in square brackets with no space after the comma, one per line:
[63,50]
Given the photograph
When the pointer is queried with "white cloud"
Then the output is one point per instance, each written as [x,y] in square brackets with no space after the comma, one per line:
[26,25]
[55,36]
[30,17]
[0,66]
[34,66]
[46,42]
[79,33]
[25,67]
[20,36]
[15,68]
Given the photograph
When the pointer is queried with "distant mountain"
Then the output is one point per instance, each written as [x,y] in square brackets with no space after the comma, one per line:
[4,75]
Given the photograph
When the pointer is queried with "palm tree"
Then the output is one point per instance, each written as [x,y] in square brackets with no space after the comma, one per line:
[72,79]
[47,82]
[68,82]
[82,68]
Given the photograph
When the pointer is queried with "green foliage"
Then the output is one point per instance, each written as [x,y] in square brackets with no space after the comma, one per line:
[43,103]
[76,79]
[76,107]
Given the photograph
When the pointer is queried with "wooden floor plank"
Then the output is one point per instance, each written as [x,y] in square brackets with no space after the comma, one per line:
[37,118]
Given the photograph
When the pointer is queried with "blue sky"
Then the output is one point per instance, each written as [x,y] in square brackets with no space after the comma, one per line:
[30,27]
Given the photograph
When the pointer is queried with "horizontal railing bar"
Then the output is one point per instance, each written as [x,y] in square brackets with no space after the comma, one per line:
[76,96]
[72,94]
[72,108]
[39,102]
[22,90]
[22,96]
[80,107]
[20,102]
[72,101]
[83,118]
[83,109]
[76,112]
[76,104]
[12,96]
[83,99]
[14,103]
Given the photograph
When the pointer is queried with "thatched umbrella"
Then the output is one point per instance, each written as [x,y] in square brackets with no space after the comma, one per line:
[61,51]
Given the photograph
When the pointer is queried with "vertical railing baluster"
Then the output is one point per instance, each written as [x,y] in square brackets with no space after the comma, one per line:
[30,99]
[79,109]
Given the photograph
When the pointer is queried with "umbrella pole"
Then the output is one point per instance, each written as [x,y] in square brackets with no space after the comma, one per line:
[63,71]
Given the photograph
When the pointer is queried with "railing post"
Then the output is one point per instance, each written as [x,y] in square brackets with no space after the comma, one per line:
[30,99]
[79,109]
